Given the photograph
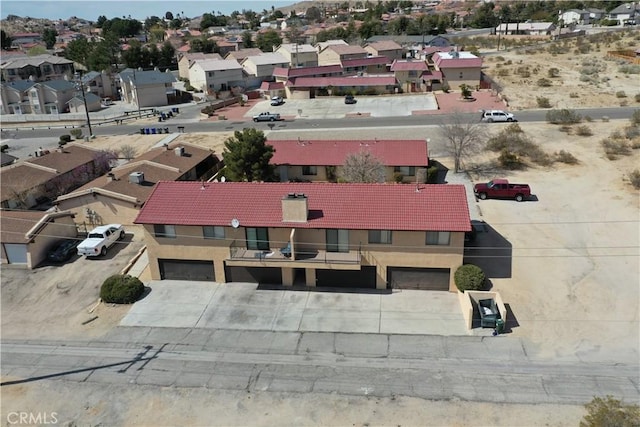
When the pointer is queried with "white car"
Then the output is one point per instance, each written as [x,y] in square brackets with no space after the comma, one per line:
[100,239]
[277,100]
[491,116]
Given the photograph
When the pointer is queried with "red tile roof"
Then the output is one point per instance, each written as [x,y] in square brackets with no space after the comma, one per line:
[409,65]
[359,62]
[307,71]
[342,81]
[433,207]
[410,152]
[272,86]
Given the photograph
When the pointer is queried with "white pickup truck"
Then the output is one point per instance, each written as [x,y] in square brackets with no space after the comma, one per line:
[100,239]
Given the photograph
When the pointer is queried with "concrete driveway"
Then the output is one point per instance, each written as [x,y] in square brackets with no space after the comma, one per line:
[242,306]
[335,108]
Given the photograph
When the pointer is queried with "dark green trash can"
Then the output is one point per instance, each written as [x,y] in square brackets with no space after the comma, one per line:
[499,326]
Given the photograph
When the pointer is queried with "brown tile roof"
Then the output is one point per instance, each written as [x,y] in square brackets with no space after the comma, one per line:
[347,49]
[14,225]
[384,45]
[193,155]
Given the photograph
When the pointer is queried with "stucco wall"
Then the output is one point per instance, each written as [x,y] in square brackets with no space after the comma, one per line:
[107,210]
[454,77]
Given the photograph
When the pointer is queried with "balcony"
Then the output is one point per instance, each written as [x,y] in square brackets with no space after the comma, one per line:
[276,257]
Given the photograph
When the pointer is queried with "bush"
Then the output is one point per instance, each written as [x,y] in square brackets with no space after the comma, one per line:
[636,97]
[607,411]
[510,160]
[432,174]
[121,289]
[64,139]
[564,116]
[566,157]
[398,177]
[544,82]
[4,148]
[621,94]
[76,133]
[553,72]
[631,132]
[543,102]
[614,148]
[635,118]
[634,179]
[469,277]
[584,130]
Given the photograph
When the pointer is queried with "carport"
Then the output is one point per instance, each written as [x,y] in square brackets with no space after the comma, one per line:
[179,269]
[425,279]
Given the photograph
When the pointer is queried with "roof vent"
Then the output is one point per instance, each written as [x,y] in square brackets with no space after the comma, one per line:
[179,151]
[136,178]
[111,177]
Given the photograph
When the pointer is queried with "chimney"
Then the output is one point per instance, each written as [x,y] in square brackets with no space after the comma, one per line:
[179,151]
[136,178]
[295,208]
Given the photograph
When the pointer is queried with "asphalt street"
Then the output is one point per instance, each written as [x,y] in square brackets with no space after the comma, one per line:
[491,369]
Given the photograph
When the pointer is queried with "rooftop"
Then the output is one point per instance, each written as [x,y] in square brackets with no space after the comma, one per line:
[343,81]
[433,207]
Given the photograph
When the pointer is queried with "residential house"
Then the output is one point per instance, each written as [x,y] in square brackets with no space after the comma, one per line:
[307,87]
[270,89]
[320,46]
[146,88]
[48,175]
[26,236]
[90,102]
[215,75]
[458,68]
[14,97]
[387,48]
[625,13]
[407,40]
[36,68]
[409,73]
[377,236]
[99,83]
[323,160]
[25,40]
[336,54]
[369,65]
[226,46]
[526,28]
[575,17]
[241,54]
[299,55]
[187,59]
[261,66]
[51,97]
[285,74]
[118,196]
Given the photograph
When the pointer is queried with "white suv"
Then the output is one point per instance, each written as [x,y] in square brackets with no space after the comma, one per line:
[491,116]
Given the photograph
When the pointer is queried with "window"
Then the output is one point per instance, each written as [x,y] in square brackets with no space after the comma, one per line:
[380,236]
[461,75]
[440,238]
[213,232]
[257,239]
[405,170]
[337,240]
[163,230]
[413,73]
[211,73]
[309,170]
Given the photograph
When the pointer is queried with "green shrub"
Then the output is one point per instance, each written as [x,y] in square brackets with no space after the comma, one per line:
[588,119]
[574,95]
[120,289]
[4,148]
[635,117]
[631,132]
[543,102]
[634,179]
[544,82]
[539,157]
[584,130]
[636,97]
[621,94]
[566,129]
[469,277]
[615,147]
[398,177]
[607,411]
[566,157]
[564,116]
[432,173]
[503,72]
[64,139]
[76,133]
[629,69]
[553,72]
[510,160]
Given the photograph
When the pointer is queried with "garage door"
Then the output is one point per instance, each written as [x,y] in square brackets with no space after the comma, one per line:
[365,278]
[178,269]
[262,275]
[429,279]
[16,253]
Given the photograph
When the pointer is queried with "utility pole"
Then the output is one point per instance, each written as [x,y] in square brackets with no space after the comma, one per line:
[80,85]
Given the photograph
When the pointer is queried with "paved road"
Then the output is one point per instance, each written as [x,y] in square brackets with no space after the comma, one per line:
[494,369]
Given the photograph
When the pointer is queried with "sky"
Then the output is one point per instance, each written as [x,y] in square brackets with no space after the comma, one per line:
[139,9]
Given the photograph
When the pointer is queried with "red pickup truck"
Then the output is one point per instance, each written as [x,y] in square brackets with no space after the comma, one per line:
[502,189]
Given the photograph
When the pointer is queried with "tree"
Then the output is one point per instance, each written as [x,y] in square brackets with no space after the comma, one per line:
[78,50]
[247,156]
[363,167]
[370,28]
[101,21]
[5,43]
[610,412]
[313,14]
[127,151]
[167,54]
[469,277]
[267,40]
[247,40]
[49,37]
[463,137]
[168,16]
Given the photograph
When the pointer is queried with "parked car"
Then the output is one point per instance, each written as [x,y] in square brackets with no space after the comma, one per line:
[349,99]
[266,117]
[63,250]
[100,239]
[277,100]
[501,188]
[491,116]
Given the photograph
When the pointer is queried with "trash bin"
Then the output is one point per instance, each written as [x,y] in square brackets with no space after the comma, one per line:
[141,131]
[499,326]
[153,131]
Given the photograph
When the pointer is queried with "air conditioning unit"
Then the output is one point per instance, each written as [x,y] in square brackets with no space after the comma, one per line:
[136,177]
[179,151]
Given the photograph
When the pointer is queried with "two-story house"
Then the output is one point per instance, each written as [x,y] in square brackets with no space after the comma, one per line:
[628,12]
[376,236]
[336,54]
[14,97]
[187,59]
[409,73]
[458,68]
[118,196]
[100,84]
[323,160]
[215,75]
[299,55]
[51,97]
[36,68]
[146,88]
[261,66]
[388,48]
[369,65]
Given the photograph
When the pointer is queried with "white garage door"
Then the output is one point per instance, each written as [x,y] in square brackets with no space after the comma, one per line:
[16,253]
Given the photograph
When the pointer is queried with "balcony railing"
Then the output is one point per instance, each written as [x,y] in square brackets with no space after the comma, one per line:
[238,251]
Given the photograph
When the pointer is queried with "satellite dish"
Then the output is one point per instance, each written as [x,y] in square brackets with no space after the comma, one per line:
[235,223]
[223,179]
